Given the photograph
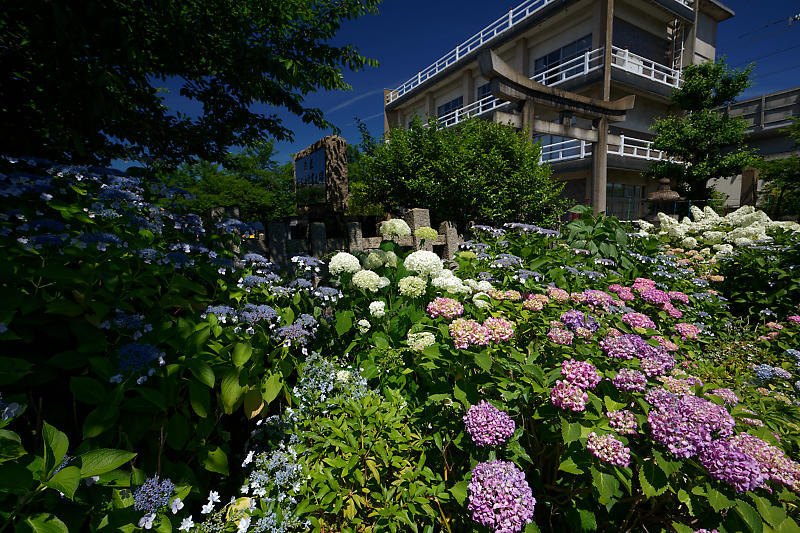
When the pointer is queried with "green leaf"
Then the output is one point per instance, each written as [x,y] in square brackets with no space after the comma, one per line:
[612,405]
[570,466]
[272,387]
[230,391]
[201,371]
[45,523]
[241,353]
[87,390]
[717,500]
[103,460]
[607,486]
[66,481]
[10,449]
[774,515]
[460,395]
[15,479]
[214,460]
[64,308]
[99,420]
[570,431]
[750,516]
[652,478]
[484,360]
[153,396]
[685,498]
[459,491]
[344,322]
[56,444]
[199,398]
[380,340]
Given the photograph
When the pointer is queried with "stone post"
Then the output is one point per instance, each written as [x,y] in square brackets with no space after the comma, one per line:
[278,239]
[747,196]
[451,240]
[355,239]
[319,237]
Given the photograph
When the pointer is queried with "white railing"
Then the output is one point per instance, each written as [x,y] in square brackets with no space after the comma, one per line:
[475,109]
[636,64]
[572,68]
[687,3]
[575,149]
[514,17]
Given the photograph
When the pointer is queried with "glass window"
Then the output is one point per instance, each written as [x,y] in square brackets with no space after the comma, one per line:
[449,107]
[484,91]
[561,55]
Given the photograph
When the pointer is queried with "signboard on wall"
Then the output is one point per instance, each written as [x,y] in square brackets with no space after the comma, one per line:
[310,170]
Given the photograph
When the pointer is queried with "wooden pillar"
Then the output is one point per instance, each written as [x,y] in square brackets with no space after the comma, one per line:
[608,42]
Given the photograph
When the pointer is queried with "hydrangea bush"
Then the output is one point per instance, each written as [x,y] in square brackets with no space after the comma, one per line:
[158,375]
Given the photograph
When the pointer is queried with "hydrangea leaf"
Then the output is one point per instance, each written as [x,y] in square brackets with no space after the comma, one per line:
[104,460]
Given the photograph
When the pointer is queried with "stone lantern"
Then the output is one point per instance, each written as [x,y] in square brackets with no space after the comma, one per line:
[662,199]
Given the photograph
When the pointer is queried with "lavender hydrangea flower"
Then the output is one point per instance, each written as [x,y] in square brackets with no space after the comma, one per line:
[630,380]
[725,463]
[684,424]
[567,396]
[609,449]
[488,425]
[575,319]
[500,497]
[623,421]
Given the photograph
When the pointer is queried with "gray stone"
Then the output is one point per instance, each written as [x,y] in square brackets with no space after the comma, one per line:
[417,218]
[278,240]
[313,187]
[318,236]
[355,236]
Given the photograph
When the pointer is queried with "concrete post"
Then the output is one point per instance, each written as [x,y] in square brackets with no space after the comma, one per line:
[747,196]
[417,218]
[600,167]
[278,239]
[319,239]
[430,105]
[451,240]
[468,87]
[608,42]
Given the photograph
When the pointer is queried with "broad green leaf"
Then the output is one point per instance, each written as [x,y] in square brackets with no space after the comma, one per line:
[717,500]
[607,486]
[483,360]
[652,479]
[774,515]
[199,398]
[45,523]
[570,431]
[344,322]
[215,460]
[201,371]
[66,481]
[87,390]
[750,516]
[271,387]
[459,491]
[103,460]
[55,447]
[15,479]
[242,352]
[10,449]
[230,391]
[570,466]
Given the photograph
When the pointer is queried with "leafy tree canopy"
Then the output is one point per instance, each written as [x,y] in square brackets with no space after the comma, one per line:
[704,142]
[250,180]
[782,177]
[480,171]
[80,79]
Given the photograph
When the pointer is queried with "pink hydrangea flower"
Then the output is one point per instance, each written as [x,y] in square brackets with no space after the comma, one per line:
[468,332]
[445,307]
[499,329]
[560,336]
[488,425]
[687,331]
[580,373]
[567,396]
[638,320]
[609,449]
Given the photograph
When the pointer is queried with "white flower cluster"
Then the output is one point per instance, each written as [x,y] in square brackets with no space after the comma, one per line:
[379,258]
[363,326]
[427,233]
[481,300]
[412,286]
[344,262]
[367,280]
[424,263]
[479,286]
[377,309]
[448,282]
[707,229]
[395,227]
[419,341]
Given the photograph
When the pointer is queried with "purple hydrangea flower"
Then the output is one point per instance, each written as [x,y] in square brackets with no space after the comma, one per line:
[623,421]
[575,319]
[568,396]
[684,424]
[725,463]
[580,373]
[609,449]
[500,497]
[488,425]
[153,495]
[630,380]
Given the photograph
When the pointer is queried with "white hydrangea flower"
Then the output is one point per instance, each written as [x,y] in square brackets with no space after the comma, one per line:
[373,260]
[485,286]
[367,280]
[425,263]
[689,243]
[723,248]
[383,282]
[419,341]
[377,309]
[390,259]
[395,227]
[344,262]
[344,375]
[450,284]
[427,233]
[645,225]
[363,326]
[412,286]
[741,241]
[713,237]
[697,213]
[481,300]
[471,283]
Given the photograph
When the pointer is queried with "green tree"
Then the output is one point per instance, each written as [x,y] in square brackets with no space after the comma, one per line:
[480,171]
[704,141]
[782,179]
[80,80]
[250,180]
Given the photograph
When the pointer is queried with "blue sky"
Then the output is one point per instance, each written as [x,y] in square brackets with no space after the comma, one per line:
[408,35]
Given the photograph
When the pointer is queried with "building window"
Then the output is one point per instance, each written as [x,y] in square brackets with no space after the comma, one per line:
[484,90]
[560,56]
[623,201]
[450,106]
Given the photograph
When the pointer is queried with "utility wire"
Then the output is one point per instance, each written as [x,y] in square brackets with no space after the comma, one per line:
[779,71]
[767,55]
[795,18]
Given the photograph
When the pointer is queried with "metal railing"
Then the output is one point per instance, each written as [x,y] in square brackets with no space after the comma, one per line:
[475,109]
[768,111]
[576,149]
[514,17]
[572,68]
[628,61]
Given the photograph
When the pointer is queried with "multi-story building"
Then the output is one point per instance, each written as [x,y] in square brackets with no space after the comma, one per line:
[603,49]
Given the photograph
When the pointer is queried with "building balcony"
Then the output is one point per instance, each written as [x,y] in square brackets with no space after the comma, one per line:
[629,147]
[514,19]
[570,70]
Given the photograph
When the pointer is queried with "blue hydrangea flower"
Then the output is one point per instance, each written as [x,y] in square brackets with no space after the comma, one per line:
[153,495]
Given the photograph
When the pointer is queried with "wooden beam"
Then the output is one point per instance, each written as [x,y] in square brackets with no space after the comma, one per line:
[573,132]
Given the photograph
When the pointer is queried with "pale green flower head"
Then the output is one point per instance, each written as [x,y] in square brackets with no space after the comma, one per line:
[395,227]
[427,233]
[412,286]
